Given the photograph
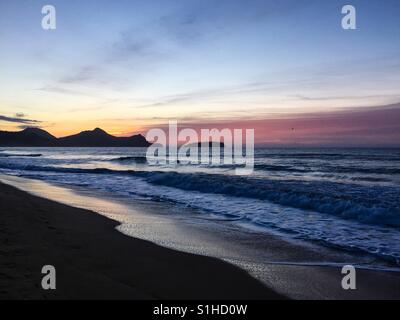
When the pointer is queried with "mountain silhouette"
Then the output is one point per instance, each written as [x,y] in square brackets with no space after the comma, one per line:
[39,132]
[34,137]
[30,137]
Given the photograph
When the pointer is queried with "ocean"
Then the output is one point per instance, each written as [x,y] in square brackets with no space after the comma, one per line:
[348,199]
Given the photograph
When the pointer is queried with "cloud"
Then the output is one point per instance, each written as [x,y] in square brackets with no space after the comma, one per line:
[62,90]
[130,49]
[210,19]
[362,126]
[219,92]
[84,74]
[18,120]
[79,109]
[58,89]
[170,100]
[161,38]
[22,127]
[322,83]
[152,43]
[349,97]
[131,46]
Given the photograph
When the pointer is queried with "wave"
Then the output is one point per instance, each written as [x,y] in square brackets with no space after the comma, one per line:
[348,201]
[292,169]
[337,169]
[128,159]
[332,156]
[270,167]
[63,169]
[369,179]
[389,171]
[7,155]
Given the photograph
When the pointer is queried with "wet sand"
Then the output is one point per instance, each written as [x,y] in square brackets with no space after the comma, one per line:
[95,261]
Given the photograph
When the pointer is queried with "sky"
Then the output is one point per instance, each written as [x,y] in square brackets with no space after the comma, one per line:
[286,68]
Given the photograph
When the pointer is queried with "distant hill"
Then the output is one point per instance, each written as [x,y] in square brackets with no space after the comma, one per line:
[30,137]
[34,137]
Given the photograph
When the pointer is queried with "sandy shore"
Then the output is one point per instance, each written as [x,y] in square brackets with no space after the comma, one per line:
[94,261]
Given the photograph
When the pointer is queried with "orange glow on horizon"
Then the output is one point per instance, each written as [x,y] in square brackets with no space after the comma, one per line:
[375,126]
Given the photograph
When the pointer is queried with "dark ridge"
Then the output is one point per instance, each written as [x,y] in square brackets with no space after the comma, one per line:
[35,137]
[30,137]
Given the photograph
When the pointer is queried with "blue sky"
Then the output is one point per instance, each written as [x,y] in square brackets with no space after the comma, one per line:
[130,63]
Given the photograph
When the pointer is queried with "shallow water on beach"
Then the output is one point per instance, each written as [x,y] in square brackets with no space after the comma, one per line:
[341,198]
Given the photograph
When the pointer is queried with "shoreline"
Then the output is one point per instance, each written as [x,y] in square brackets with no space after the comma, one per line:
[94,261]
[296,279]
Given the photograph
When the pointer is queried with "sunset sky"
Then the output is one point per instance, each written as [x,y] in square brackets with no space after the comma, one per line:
[285,68]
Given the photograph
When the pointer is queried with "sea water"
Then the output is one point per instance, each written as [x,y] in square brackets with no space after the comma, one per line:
[343,198]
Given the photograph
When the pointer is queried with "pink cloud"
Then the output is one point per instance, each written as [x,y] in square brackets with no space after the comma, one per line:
[377,126]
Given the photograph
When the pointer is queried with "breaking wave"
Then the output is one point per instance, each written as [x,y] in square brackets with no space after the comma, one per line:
[348,201]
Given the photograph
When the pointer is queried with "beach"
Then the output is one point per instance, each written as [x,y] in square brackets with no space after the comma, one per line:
[193,150]
[94,261]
